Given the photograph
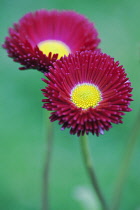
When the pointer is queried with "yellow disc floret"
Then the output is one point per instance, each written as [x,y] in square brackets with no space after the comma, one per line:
[85,95]
[54,46]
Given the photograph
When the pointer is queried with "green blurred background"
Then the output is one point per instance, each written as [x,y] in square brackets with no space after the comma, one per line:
[22,136]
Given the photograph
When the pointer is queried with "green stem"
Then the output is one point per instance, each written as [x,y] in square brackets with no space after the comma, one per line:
[49,139]
[90,169]
[125,164]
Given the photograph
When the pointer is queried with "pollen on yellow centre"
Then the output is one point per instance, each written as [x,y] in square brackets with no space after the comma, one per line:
[86,95]
[54,46]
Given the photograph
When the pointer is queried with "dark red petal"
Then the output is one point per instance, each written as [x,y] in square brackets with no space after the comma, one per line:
[75,30]
[94,68]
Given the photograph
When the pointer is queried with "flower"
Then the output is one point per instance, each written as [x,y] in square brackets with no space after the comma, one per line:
[42,37]
[87,92]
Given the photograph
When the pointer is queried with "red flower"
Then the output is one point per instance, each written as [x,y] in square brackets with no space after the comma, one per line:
[87,92]
[39,38]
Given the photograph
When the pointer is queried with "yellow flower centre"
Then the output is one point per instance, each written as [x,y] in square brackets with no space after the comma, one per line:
[54,46]
[86,95]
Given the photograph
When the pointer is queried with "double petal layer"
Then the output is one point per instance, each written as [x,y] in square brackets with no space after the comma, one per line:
[87,92]
[39,37]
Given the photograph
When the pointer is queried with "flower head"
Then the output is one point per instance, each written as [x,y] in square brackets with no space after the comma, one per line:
[42,37]
[87,92]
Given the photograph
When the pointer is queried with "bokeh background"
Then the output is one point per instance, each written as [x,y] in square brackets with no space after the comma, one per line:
[22,120]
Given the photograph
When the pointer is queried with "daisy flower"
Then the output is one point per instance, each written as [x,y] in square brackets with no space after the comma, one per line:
[42,37]
[87,92]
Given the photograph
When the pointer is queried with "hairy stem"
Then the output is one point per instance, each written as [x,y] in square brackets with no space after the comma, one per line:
[91,172]
[45,190]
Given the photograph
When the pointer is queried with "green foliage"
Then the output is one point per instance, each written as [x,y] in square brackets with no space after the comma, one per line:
[22,143]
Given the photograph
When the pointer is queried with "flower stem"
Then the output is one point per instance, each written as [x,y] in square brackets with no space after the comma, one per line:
[125,164]
[90,169]
[45,190]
